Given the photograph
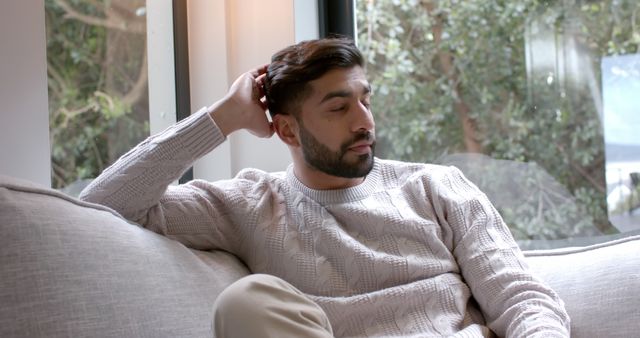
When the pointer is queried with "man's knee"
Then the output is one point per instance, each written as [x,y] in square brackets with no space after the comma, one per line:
[260,303]
[242,298]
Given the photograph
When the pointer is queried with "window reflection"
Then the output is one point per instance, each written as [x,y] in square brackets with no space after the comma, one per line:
[620,90]
[509,91]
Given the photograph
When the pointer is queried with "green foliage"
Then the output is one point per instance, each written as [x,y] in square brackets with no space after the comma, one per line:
[96,111]
[455,76]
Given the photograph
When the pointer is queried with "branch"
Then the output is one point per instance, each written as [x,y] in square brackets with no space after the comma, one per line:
[584,174]
[469,127]
[139,87]
[95,21]
[96,153]
[56,77]
[71,114]
[58,174]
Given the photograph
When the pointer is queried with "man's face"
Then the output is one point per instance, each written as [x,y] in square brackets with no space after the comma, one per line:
[336,127]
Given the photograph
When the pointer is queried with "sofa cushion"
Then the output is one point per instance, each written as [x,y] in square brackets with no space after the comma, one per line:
[600,285]
[74,269]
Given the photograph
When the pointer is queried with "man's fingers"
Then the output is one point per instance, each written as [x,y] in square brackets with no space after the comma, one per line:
[260,80]
[263,69]
[260,83]
[259,71]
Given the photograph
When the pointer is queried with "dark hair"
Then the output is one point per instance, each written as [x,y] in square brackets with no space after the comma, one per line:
[291,69]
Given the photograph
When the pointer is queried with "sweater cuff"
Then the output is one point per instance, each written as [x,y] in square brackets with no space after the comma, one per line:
[198,134]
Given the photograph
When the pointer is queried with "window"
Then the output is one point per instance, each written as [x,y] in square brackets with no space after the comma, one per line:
[532,100]
[99,66]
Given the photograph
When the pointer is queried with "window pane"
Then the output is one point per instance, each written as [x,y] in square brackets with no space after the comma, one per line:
[98,87]
[515,94]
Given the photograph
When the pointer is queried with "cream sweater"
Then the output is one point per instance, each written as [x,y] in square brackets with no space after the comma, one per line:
[416,250]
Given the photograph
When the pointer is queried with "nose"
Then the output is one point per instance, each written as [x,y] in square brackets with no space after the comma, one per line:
[362,118]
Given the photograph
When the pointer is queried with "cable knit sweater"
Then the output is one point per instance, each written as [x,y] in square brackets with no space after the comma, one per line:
[416,250]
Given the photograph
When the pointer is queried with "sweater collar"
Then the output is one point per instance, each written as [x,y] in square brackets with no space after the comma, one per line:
[337,196]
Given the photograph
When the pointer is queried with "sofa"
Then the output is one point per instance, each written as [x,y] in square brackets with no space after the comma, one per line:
[74,269]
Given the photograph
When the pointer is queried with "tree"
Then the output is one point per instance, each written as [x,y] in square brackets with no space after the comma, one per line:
[453,76]
[98,106]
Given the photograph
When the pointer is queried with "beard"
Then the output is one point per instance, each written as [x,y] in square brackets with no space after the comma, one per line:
[335,163]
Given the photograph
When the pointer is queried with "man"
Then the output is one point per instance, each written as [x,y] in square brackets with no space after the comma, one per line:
[342,244]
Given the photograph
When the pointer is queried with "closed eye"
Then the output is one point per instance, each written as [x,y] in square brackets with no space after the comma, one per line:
[337,109]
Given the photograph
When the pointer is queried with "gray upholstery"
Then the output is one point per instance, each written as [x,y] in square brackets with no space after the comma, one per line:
[600,285]
[73,269]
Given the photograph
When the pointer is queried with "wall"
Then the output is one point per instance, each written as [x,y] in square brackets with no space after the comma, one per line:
[208,75]
[227,38]
[24,130]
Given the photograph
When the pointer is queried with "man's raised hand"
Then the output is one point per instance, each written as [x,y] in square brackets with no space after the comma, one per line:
[244,106]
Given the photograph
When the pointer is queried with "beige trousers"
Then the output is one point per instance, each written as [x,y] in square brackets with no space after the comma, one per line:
[266,306]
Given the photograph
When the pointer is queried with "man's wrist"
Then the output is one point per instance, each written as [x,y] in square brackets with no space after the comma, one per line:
[225,114]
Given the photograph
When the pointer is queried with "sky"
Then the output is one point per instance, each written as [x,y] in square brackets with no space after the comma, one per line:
[621,99]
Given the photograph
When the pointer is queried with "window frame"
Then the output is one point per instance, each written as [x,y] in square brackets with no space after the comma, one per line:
[337,17]
[181,67]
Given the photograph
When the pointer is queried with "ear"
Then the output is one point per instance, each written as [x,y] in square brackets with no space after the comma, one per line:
[286,127]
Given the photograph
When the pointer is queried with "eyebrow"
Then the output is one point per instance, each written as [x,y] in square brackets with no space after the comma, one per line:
[344,93]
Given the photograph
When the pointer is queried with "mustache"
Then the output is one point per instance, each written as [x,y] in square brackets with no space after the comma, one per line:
[367,136]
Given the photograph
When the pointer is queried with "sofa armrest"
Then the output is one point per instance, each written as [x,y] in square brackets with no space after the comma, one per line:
[599,284]
[74,269]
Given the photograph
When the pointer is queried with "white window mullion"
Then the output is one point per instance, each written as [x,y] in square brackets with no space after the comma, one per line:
[162,91]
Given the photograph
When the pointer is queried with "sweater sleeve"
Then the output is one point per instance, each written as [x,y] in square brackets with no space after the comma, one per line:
[137,185]
[515,303]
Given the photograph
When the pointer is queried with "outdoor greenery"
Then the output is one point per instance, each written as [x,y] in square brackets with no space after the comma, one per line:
[451,78]
[469,76]
[98,101]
